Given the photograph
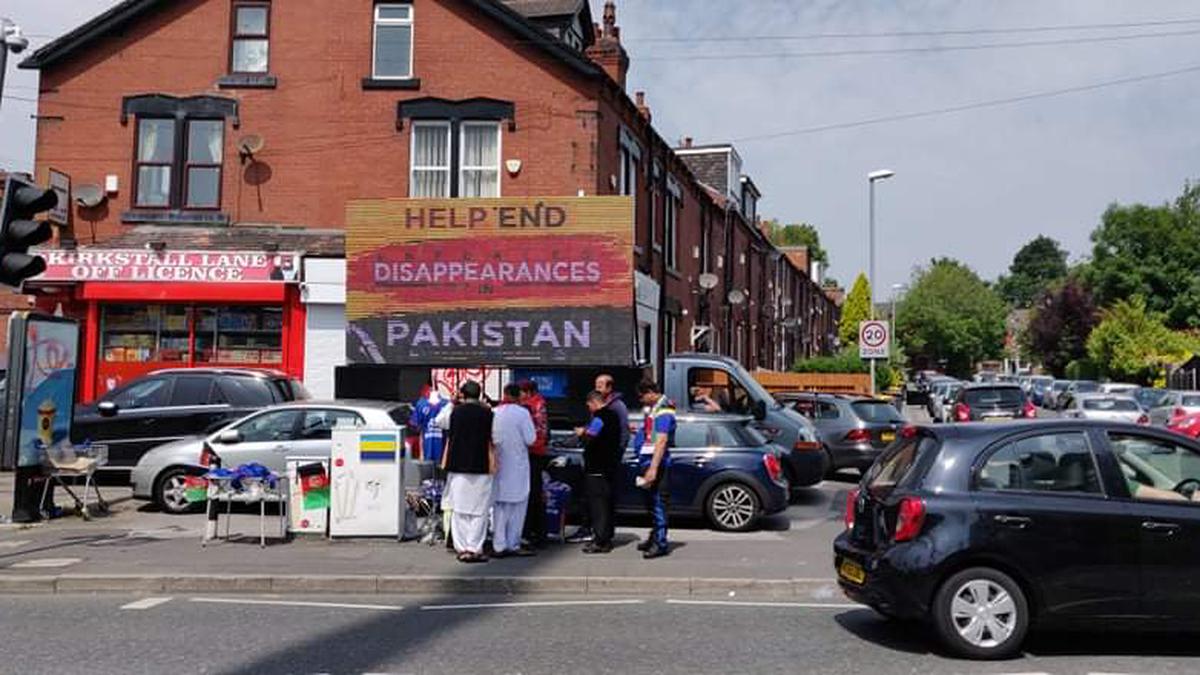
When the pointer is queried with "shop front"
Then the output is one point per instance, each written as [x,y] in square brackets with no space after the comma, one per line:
[146,310]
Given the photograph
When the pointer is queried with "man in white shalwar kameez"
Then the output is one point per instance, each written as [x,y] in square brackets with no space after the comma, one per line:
[470,463]
[512,434]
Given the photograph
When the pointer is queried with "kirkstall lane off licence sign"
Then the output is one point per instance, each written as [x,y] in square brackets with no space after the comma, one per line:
[168,266]
[513,281]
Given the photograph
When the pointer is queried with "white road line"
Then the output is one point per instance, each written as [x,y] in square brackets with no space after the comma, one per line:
[146,603]
[13,543]
[296,603]
[46,562]
[744,603]
[544,603]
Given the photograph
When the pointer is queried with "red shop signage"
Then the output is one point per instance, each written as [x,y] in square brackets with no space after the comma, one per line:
[170,266]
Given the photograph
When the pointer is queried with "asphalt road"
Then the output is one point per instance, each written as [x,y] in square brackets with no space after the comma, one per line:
[386,634]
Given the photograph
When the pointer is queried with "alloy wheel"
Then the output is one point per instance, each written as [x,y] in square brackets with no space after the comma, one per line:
[984,614]
[733,507]
[173,496]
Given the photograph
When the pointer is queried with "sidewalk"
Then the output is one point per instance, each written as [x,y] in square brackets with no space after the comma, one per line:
[135,549]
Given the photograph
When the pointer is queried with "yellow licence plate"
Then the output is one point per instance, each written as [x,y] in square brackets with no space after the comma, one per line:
[997,419]
[852,572]
[887,436]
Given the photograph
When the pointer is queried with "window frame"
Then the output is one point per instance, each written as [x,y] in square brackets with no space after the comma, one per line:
[672,206]
[1003,443]
[448,125]
[462,164]
[138,164]
[670,333]
[377,22]
[235,36]
[188,165]
[179,166]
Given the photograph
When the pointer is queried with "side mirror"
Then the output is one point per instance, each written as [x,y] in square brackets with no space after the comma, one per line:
[230,437]
[107,409]
[760,410]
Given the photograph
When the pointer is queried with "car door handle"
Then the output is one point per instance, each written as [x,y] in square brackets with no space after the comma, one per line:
[1160,528]
[1019,522]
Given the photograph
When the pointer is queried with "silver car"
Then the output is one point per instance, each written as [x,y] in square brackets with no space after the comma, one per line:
[267,437]
[1112,407]
[943,407]
[1173,405]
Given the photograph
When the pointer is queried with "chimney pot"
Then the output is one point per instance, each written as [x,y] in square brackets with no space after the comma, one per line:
[687,141]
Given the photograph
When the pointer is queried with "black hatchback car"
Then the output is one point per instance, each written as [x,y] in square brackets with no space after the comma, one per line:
[986,530]
[167,405]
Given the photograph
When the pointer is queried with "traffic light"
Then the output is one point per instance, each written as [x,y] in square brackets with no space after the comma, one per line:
[18,230]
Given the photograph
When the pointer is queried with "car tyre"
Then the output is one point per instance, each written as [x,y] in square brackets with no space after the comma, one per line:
[981,613]
[732,507]
[830,469]
[168,492]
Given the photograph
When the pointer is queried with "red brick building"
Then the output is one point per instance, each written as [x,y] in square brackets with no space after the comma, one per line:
[245,126]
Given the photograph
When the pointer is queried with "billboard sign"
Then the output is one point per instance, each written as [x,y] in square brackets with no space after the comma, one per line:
[44,359]
[502,282]
[143,265]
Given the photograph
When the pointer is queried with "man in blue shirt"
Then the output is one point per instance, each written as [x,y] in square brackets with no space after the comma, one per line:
[654,442]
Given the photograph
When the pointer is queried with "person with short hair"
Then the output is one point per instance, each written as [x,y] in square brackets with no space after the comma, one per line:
[470,463]
[654,442]
[602,468]
[535,513]
[512,434]
[612,400]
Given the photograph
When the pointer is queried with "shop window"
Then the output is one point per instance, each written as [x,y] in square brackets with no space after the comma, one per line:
[178,335]
[239,336]
[179,163]
[393,52]
[249,49]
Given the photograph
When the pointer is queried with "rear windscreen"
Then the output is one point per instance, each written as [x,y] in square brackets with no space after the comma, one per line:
[1086,387]
[1191,401]
[1110,404]
[876,411]
[895,467]
[999,396]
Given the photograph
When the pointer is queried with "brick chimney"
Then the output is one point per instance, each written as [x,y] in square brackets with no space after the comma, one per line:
[643,109]
[687,141]
[607,51]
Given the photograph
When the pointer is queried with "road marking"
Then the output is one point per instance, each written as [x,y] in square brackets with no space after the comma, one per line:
[46,562]
[146,603]
[14,543]
[296,603]
[744,603]
[544,603]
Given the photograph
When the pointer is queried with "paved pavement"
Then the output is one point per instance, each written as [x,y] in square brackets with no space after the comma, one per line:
[254,634]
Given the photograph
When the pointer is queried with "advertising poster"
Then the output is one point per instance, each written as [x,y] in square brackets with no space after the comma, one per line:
[51,358]
[503,282]
[365,483]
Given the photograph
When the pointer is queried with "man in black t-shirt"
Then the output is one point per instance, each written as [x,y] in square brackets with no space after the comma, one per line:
[470,462]
[602,468]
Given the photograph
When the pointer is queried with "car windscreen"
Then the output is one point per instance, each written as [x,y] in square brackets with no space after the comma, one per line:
[1061,386]
[1191,401]
[994,396]
[876,411]
[896,466]
[1084,387]
[1110,404]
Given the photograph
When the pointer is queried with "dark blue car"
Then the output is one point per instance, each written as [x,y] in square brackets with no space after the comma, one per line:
[721,468]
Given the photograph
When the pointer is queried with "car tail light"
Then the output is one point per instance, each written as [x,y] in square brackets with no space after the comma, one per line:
[909,431]
[851,498]
[1178,412]
[858,436]
[962,412]
[910,518]
[1143,419]
[806,446]
[771,463]
[1029,410]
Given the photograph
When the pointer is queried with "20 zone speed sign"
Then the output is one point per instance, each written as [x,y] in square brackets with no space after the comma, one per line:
[874,339]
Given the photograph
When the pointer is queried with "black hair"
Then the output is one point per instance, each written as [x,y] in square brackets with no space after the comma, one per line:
[470,390]
[596,395]
[648,387]
[512,390]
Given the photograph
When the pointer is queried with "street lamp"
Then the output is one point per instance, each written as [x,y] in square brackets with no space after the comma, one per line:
[880,174]
[12,40]
[896,288]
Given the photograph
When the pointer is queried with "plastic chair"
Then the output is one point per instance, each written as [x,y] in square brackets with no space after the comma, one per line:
[83,463]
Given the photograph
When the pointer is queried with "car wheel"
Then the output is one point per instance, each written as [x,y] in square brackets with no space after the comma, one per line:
[830,469]
[169,493]
[733,507]
[981,613]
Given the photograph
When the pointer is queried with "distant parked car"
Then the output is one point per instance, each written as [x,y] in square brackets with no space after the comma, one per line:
[266,437]
[937,391]
[853,429]
[1173,406]
[1110,407]
[721,468]
[984,532]
[1050,398]
[1039,386]
[1148,397]
[1123,388]
[943,410]
[1075,388]
[167,405]
[1188,425]
[992,403]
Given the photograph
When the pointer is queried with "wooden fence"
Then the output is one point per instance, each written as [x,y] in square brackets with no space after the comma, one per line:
[833,383]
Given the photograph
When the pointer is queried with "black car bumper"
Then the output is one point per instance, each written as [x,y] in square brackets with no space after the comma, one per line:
[854,456]
[804,467]
[890,590]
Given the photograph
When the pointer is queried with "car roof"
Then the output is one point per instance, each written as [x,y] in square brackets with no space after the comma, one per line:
[978,430]
[991,385]
[244,372]
[343,403]
[1091,395]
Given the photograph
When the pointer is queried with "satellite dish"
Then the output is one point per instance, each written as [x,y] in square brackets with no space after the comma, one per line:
[736,297]
[250,144]
[708,281]
[89,195]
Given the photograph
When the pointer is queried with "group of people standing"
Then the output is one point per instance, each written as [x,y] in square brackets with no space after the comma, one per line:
[494,458]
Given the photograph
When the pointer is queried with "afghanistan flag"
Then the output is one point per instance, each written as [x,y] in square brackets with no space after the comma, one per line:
[195,489]
[314,485]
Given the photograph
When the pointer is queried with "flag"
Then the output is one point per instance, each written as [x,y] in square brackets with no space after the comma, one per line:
[208,457]
[314,485]
[195,489]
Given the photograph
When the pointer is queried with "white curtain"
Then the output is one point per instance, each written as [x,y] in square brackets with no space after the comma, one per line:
[480,160]
[156,140]
[431,161]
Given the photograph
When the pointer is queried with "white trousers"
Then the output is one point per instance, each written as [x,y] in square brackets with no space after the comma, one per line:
[508,519]
[468,531]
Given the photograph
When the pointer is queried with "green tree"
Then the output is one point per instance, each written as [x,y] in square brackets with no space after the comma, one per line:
[1058,329]
[950,317]
[1133,343]
[1039,263]
[1154,252]
[798,234]
[857,308]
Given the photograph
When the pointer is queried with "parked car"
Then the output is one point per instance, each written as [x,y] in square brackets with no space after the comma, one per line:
[1148,397]
[722,468]
[1111,407]
[992,403]
[853,429]
[987,530]
[267,437]
[1039,386]
[1075,388]
[1050,399]
[943,409]
[1174,405]
[937,391]
[1188,425]
[167,405]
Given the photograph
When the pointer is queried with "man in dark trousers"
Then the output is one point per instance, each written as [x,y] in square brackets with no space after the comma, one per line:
[602,466]
[614,402]
[653,444]
[535,515]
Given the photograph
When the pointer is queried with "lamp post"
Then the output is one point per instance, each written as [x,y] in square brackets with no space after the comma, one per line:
[880,174]
[12,40]
[896,288]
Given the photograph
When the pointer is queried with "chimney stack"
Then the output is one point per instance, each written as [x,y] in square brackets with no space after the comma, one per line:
[643,109]
[687,141]
[607,51]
